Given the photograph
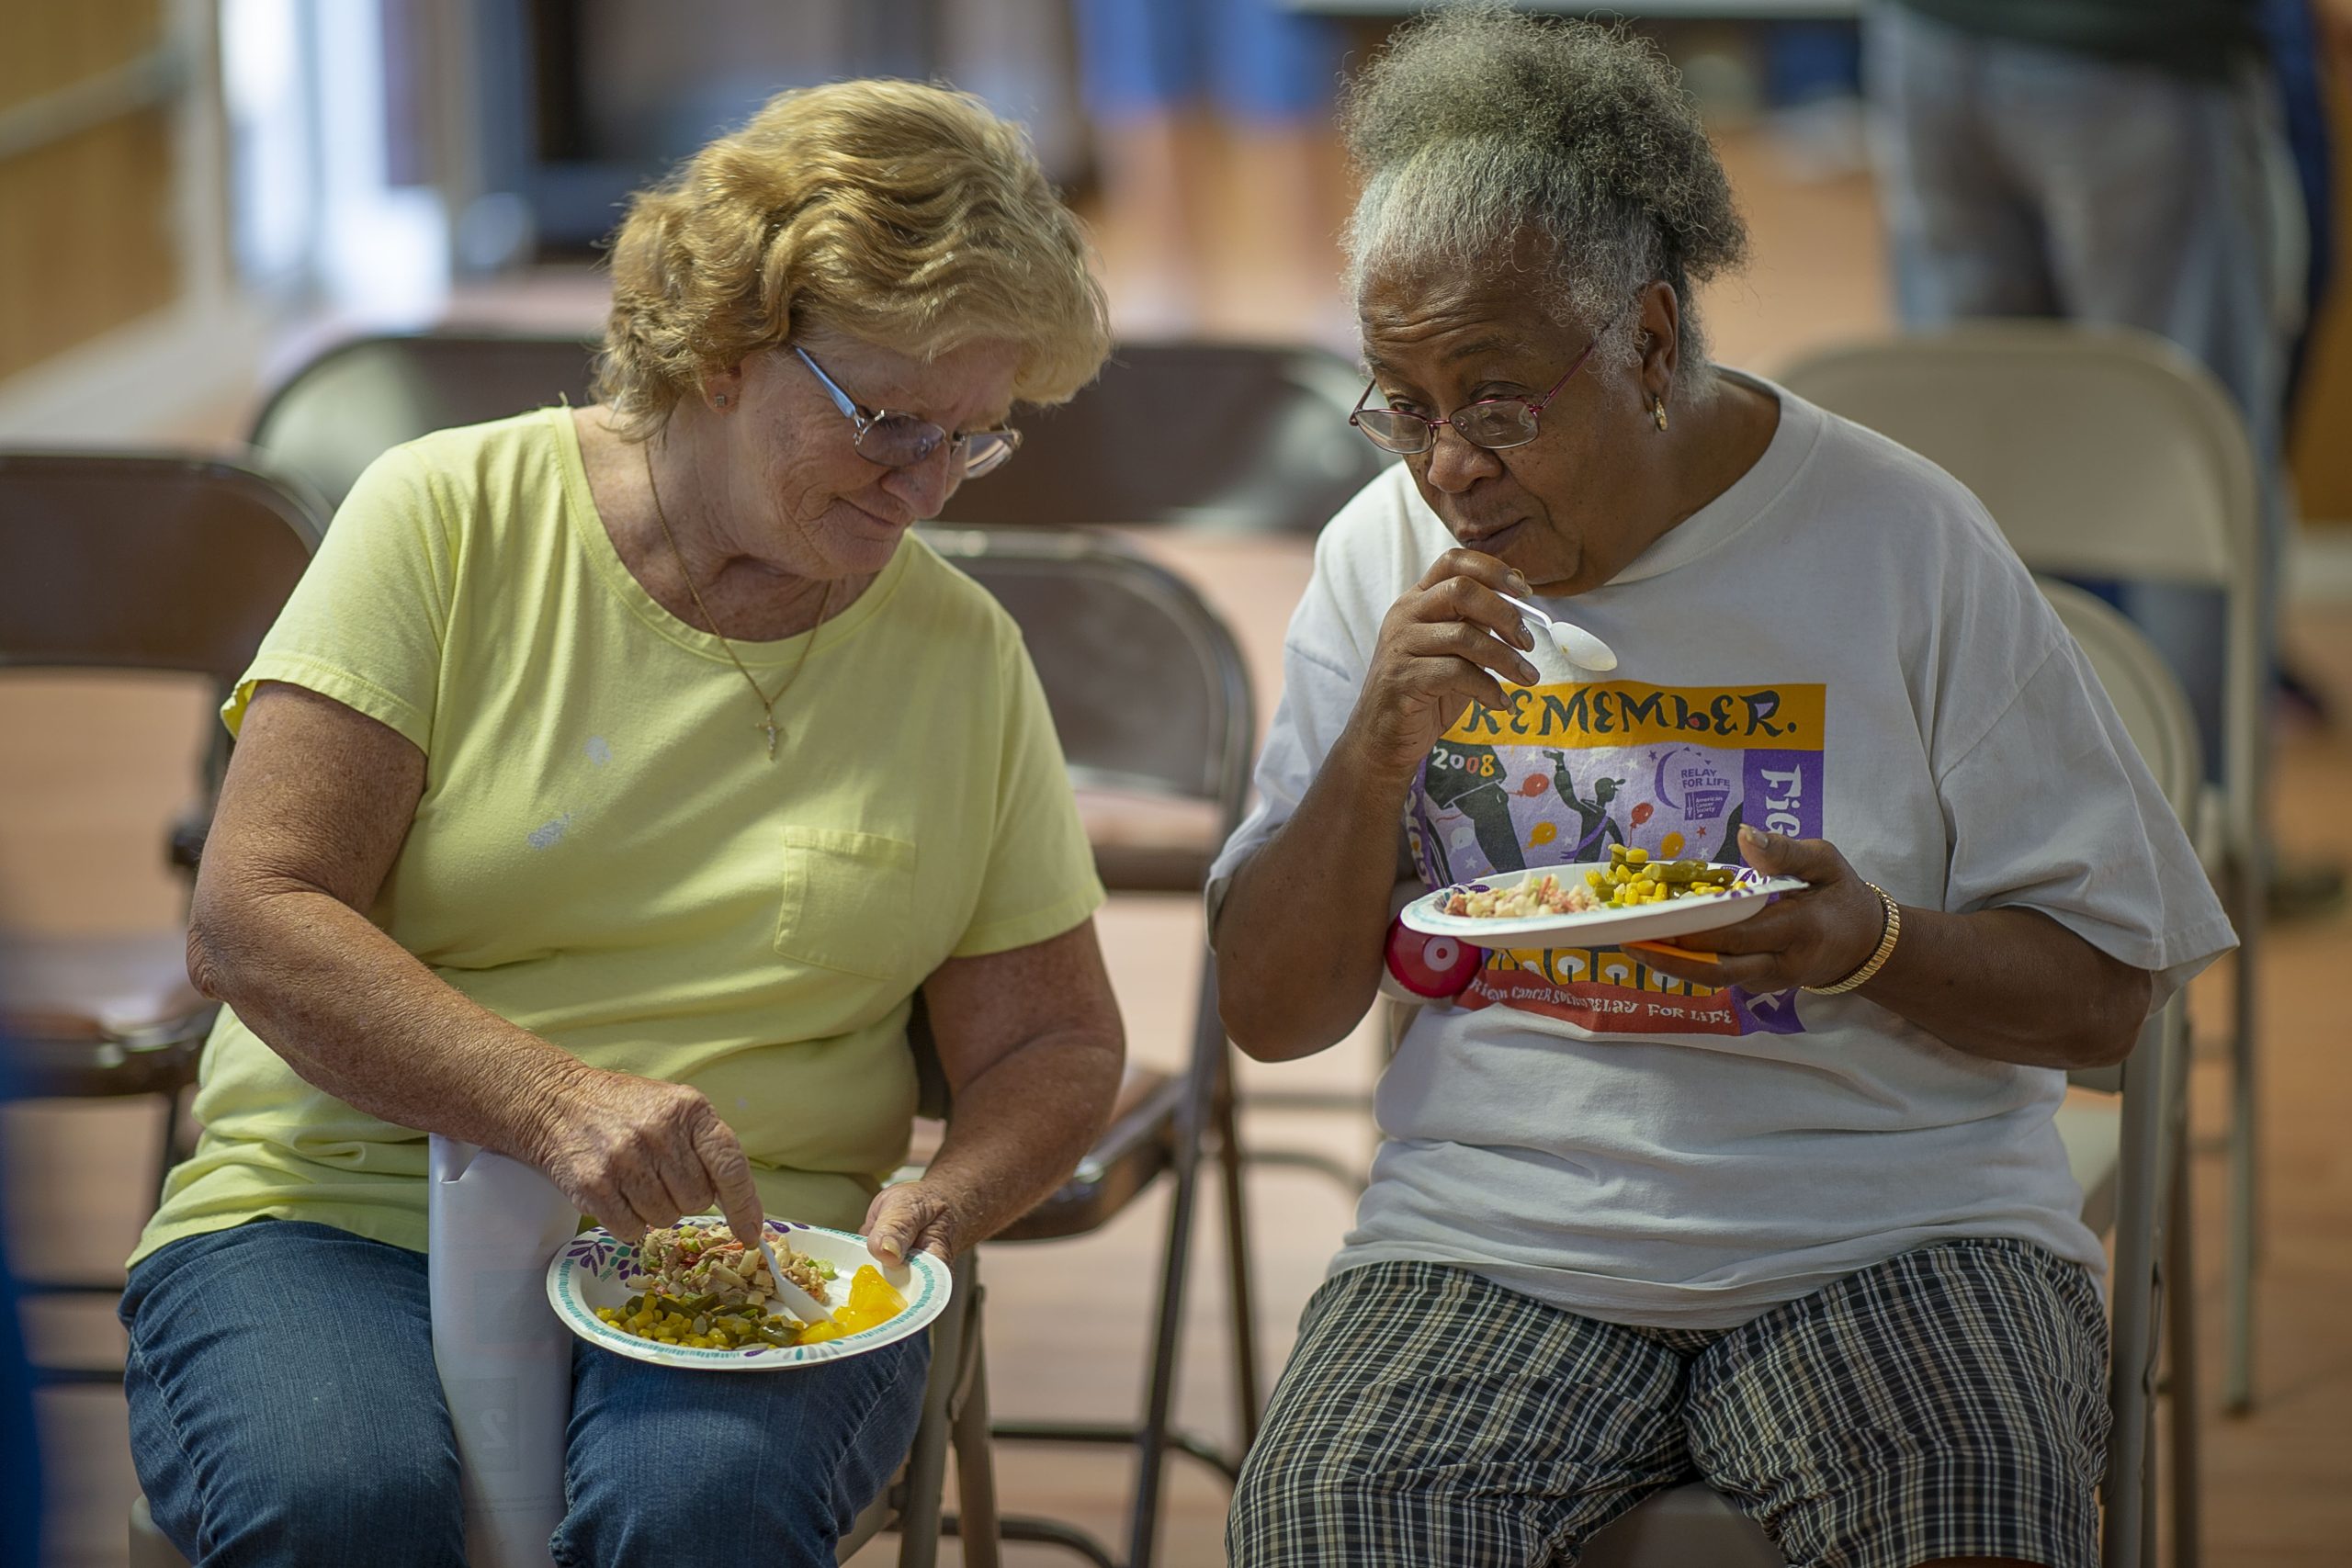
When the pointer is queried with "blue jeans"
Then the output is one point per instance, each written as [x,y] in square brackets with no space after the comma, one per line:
[284,1408]
[2027,181]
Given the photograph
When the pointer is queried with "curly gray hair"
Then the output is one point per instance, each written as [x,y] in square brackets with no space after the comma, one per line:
[1479,124]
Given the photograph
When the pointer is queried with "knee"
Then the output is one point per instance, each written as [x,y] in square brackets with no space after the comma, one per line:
[788,1519]
[1291,1505]
[312,1510]
[757,1510]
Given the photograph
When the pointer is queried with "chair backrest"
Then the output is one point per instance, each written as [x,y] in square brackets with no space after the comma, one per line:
[139,561]
[1148,687]
[2102,452]
[2154,713]
[1239,436]
[358,399]
[2146,697]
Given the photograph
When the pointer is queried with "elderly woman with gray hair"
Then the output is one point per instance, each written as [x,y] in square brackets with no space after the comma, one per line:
[612,784]
[1789,1213]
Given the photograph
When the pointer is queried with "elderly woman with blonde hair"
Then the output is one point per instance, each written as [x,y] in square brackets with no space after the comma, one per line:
[610,788]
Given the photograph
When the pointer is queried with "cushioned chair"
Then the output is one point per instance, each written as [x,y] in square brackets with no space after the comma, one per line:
[1151,700]
[2107,452]
[130,562]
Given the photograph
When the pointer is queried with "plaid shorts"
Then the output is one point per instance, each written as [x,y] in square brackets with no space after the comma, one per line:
[1950,1401]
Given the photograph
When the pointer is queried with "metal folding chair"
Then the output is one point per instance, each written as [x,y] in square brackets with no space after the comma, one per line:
[360,398]
[955,1417]
[1151,698]
[130,562]
[2107,452]
[1220,435]
[2127,1154]
[1239,436]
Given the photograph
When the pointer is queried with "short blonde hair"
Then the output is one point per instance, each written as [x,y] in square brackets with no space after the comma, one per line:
[907,215]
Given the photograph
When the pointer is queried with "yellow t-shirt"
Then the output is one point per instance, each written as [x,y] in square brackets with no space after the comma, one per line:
[604,854]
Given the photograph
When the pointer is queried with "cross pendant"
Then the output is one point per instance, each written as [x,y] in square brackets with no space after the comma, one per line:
[768,723]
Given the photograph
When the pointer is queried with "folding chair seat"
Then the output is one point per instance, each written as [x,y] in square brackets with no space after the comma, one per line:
[130,562]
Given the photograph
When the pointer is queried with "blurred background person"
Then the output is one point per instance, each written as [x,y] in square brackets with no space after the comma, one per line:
[2118,162]
[1195,99]
[2111,162]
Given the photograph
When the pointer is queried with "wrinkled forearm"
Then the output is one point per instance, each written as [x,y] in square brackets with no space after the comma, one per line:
[358,1017]
[2012,986]
[1299,942]
[1020,1127]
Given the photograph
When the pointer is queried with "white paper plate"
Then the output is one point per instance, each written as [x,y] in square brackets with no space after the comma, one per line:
[1594,928]
[590,1271]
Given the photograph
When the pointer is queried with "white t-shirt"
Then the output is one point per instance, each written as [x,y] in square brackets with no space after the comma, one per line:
[1840,645]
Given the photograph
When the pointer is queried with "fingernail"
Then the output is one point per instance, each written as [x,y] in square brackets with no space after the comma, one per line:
[1519,584]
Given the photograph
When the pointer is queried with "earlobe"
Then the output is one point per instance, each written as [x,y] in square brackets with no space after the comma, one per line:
[723,388]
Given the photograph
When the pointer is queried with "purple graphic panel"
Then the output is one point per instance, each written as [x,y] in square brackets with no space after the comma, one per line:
[1781,792]
[1772,1012]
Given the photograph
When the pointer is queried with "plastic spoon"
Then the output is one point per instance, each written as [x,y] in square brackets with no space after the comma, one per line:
[1579,647]
[791,1297]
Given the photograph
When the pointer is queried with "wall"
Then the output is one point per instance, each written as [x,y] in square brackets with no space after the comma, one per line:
[87,174]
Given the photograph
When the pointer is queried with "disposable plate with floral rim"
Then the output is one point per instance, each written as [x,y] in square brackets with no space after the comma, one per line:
[592,1268]
[1750,891]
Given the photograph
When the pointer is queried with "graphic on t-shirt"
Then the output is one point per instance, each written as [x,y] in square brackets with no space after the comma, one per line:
[1568,771]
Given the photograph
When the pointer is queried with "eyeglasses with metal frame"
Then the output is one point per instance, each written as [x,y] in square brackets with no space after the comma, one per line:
[902,440]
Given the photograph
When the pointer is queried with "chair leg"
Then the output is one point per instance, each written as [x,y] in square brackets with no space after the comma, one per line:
[2181,1334]
[1246,1390]
[2138,1212]
[977,1524]
[1159,1389]
[1208,1064]
[925,1477]
[2245,1238]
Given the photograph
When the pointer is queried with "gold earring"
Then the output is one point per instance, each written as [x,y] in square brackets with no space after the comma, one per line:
[1658,410]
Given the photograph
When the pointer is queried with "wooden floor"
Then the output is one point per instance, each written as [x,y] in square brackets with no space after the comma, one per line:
[89,775]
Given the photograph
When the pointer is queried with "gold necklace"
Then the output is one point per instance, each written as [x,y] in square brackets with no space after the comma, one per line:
[824,602]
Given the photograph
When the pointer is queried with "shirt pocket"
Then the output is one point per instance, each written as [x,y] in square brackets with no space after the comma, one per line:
[849,902]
